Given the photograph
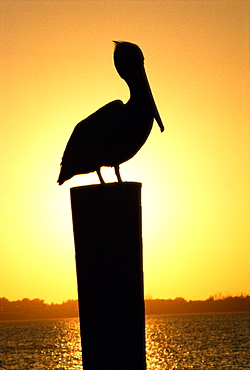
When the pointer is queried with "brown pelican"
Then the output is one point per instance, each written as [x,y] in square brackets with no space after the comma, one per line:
[114,133]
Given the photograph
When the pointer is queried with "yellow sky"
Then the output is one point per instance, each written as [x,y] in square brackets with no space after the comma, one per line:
[57,69]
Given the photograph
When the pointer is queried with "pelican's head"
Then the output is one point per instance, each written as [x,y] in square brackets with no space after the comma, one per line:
[128,59]
[129,63]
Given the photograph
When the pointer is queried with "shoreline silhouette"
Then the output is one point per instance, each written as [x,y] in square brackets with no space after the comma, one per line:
[27,309]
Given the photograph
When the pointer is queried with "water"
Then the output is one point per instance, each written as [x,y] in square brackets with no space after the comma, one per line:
[205,341]
[40,344]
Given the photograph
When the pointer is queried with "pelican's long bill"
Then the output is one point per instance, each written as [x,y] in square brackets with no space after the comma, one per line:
[152,101]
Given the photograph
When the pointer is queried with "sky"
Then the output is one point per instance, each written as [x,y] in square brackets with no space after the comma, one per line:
[57,68]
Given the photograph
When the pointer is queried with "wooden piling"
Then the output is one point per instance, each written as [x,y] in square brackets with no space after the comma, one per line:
[108,245]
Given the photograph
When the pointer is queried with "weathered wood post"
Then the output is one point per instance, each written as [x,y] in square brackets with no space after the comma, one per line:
[108,245]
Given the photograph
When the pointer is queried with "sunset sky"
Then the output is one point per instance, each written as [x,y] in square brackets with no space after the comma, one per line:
[57,68]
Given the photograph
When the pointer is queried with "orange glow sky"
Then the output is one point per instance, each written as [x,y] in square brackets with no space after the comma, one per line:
[57,68]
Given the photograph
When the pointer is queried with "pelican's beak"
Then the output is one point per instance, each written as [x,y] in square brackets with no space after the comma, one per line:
[152,102]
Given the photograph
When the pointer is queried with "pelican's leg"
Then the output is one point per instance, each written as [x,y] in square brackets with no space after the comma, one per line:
[117,172]
[99,175]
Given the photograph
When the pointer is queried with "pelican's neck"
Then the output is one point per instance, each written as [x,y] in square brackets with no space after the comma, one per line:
[138,93]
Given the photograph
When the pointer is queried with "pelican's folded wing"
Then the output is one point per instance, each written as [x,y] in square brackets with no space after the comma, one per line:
[85,147]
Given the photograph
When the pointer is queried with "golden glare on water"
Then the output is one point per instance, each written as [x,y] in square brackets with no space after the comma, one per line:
[175,341]
[57,69]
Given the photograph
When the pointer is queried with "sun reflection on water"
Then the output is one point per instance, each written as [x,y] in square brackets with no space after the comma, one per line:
[41,344]
[200,342]
[206,341]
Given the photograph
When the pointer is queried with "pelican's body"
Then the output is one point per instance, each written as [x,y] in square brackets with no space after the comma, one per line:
[115,132]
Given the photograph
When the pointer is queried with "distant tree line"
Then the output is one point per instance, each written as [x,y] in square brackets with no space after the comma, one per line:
[180,305]
[27,309]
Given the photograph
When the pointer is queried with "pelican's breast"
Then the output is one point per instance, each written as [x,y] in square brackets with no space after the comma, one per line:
[131,132]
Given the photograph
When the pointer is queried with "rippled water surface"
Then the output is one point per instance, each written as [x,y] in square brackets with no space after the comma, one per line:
[45,344]
[205,341]
[208,341]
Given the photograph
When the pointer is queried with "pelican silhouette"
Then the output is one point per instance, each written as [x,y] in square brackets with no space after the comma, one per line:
[114,133]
